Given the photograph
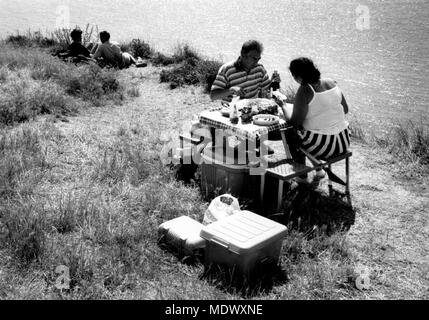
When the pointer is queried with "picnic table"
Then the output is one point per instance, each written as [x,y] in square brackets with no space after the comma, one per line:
[249,131]
[257,133]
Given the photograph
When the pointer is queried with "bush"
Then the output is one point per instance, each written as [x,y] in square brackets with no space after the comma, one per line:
[207,71]
[184,52]
[89,35]
[23,99]
[162,59]
[192,72]
[185,74]
[91,83]
[31,39]
[139,48]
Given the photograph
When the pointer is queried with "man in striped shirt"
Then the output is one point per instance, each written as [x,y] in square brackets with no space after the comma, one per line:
[244,77]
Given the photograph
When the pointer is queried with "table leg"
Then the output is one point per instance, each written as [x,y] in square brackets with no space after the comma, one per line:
[280,195]
[262,189]
[213,134]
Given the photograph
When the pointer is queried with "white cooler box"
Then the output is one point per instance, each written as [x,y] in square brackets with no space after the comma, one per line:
[244,242]
[183,234]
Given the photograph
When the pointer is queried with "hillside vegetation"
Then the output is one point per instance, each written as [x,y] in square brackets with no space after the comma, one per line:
[83,184]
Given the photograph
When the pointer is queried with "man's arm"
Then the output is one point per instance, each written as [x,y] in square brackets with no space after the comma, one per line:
[216,94]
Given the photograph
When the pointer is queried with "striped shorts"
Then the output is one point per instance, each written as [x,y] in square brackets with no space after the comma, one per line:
[324,146]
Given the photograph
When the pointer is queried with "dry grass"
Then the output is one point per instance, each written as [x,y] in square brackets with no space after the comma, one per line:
[90,194]
[33,83]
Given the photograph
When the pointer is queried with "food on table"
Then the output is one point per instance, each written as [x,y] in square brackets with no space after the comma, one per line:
[251,107]
[265,119]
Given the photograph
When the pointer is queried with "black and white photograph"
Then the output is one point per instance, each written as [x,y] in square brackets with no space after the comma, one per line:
[221,158]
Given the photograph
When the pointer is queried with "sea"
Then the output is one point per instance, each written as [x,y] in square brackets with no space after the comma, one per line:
[377,51]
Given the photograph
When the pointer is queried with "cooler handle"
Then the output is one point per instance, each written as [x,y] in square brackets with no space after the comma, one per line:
[220,243]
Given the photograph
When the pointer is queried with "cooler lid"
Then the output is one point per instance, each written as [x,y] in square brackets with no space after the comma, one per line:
[243,232]
[182,227]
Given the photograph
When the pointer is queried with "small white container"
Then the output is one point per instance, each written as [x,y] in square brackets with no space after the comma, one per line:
[183,233]
[244,242]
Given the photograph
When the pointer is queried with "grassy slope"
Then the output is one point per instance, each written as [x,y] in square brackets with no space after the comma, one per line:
[102,208]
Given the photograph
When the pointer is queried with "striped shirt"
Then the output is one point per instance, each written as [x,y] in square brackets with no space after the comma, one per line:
[232,74]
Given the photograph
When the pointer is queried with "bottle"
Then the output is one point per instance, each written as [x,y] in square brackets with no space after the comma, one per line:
[233,117]
[275,81]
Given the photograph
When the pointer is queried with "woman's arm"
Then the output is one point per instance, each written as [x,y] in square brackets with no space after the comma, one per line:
[344,104]
[300,106]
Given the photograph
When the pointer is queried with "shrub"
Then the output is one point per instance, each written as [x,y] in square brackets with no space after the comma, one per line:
[183,52]
[31,39]
[162,59]
[91,83]
[141,49]
[207,71]
[192,72]
[185,74]
[89,35]
[23,99]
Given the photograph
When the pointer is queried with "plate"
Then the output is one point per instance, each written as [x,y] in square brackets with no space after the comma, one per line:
[225,111]
[265,119]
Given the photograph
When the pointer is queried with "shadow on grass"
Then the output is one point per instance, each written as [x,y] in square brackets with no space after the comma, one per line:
[263,278]
[305,207]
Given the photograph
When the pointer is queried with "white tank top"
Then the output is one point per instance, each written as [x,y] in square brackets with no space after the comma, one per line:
[325,112]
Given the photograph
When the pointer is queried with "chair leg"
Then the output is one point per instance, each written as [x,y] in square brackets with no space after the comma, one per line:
[348,181]
[280,195]
[331,190]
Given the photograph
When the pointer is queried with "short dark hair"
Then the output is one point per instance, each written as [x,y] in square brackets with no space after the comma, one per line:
[305,69]
[104,36]
[252,45]
[76,34]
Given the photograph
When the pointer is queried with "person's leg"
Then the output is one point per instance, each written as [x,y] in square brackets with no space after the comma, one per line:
[127,59]
[294,142]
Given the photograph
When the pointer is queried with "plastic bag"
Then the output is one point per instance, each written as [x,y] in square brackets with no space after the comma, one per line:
[221,207]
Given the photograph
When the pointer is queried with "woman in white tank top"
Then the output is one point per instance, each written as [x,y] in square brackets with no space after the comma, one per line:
[318,114]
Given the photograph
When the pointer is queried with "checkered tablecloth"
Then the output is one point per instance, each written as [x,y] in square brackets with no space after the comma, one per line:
[214,119]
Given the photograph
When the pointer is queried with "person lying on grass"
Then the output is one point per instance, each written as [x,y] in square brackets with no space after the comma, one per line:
[76,49]
[110,54]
